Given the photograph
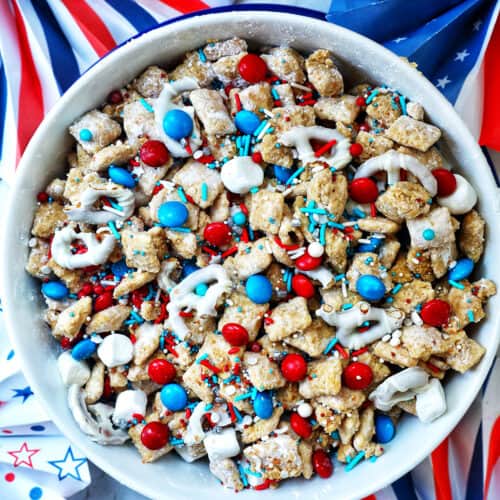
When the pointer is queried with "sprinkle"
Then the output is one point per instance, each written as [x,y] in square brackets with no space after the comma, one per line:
[456,284]
[181,194]
[372,96]
[330,345]
[243,476]
[341,351]
[267,127]
[336,225]
[300,87]
[470,315]
[201,358]
[396,289]
[278,242]
[359,351]
[402,102]
[229,252]
[308,210]
[322,232]
[252,473]
[180,229]
[112,228]
[258,130]
[294,175]
[346,307]
[113,210]
[202,56]
[325,148]
[355,461]
[240,397]
[136,317]
[146,105]
[357,211]
[204,192]
[237,101]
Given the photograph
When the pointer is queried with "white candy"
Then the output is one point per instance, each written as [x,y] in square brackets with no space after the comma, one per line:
[241,174]
[304,410]
[315,249]
[348,321]
[392,162]
[300,137]
[71,370]
[115,350]
[127,403]
[97,253]
[321,274]
[99,428]
[85,212]
[164,104]
[431,402]
[223,444]
[462,200]
[399,387]
[183,296]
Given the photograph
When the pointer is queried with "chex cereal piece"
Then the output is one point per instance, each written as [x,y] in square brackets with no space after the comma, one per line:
[150,82]
[419,263]
[323,378]
[251,258]
[378,225]
[48,217]
[210,109]
[286,63]
[262,372]
[226,472]
[313,339]
[193,66]
[424,341]
[339,109]
[471,235]
[38,259]
[115,154]
[432,158]
[383,108]
[433,230]
[147,340]
[373,144]
[413,133]
[140,252]
[262,428]
[464,354]
[148,455]
[217,49]
[410,295]
[266,211]
[132,281]
[287,318]
[139,122]
[403,200]
[324,74]
[109,319]
[327,418]
[329,191]
[346,400]
[72,318]
[397,355]
[253,98]
[95,384]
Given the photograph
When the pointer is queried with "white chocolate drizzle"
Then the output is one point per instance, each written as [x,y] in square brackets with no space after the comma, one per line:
[462,200]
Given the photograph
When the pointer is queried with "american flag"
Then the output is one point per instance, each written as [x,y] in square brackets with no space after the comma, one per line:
[46,44]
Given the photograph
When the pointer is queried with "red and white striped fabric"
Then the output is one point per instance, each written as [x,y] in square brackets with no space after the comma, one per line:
[46,44]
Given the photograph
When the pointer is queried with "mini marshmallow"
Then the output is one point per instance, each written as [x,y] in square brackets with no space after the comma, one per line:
[304,410]
[223,444]
[431,402]
[97,251]
[115,350]
[462,200]
[300,137]
[315,249]
[399,387]
[347,322]
[241,174]
[127,403]
[392,162]
[71,370]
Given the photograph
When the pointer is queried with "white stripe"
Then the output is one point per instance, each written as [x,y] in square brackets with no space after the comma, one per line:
[119,26]
[423,480]
[40,54]
[494,487]
[386,494]
[470,98]
[84,53]
[158,10]
[490,406]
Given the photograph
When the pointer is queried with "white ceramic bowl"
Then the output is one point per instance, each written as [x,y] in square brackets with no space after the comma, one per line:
[45,158]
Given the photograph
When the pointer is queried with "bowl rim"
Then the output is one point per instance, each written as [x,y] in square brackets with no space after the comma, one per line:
[23,172]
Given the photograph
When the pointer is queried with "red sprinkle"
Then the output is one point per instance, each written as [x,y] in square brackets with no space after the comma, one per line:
[185,314]
[341,351]
[237,100]
[359,351]
[229,252]
[234,350]
[210,366]
[373,210]
[285,247]
[244,208]
[244,235]
[231,411]
[325,148]
[263,486]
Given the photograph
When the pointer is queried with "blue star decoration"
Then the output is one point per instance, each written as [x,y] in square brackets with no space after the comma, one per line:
[68,466]
[23,393]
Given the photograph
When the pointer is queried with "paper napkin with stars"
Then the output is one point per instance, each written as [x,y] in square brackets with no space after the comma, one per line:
[36,461]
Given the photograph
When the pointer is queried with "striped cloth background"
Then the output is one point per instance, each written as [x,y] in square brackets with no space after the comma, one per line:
[46,44]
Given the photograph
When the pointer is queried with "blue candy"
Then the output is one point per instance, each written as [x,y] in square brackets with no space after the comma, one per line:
[188,268]
[85,135]
[259,289]
[373,246]
[172,214]
[282,173]
[370,287]
[121,176]
[263,404]
[384,429]
[462,269]
[201,289]
[120,269]
[83,350]
[177,124]
[239,218]
[246,121]
[174,397]
[55,290]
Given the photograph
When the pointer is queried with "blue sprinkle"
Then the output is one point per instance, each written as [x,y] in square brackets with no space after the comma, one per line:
[37,428]
[146,105]
[456,284]
[202,56]
[355,461]
[204,192]
[294,175]
[470,315]
[330,345]
[112,228]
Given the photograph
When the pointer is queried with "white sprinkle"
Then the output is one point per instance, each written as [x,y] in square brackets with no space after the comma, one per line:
[267,113]
[32,242]
[416,318]
[315,249]
[197,154]
[300,87]
[386,338]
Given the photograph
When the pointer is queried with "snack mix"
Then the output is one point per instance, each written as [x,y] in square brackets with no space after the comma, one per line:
[245,261]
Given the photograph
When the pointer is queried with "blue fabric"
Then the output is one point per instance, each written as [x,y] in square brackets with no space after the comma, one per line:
[474,489]
[3,103]
[444,37]
[404,488]
[139,18]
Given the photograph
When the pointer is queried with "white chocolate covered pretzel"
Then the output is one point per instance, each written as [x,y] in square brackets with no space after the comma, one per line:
[97,251]
[392,162]
[347,321]
[183,296]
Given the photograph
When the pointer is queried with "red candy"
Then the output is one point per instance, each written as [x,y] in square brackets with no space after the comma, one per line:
[355,149]
[363,190]
[115,97]
[300,425]
[435,312]
[235,334]
[103,301]
[42,197]
[252,68]
[257,157]
[217,234]
[364,127]
[154,153]
[161,371]
[294,367]
[357,376]
[447,183]
[322,464]
[86,290]
[154,435]
[302,286]
[307,263]
[360,101]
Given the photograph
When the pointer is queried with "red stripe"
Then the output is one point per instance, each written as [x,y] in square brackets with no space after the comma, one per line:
[91,25]
[442,486]
[30,105]
[370,497]
[493,454]
[490,131]
[186,7]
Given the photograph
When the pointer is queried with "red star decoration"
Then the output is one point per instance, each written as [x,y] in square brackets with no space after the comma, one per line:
[23,455]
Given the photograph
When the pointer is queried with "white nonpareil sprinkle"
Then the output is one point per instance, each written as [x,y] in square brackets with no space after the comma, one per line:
[416,318]
[315,249]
